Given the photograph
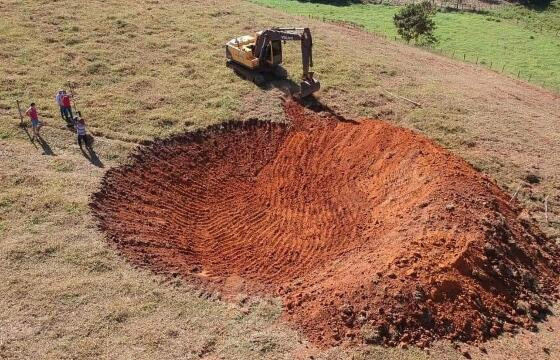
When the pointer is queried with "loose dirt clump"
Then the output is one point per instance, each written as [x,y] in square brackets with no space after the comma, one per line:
[369,232]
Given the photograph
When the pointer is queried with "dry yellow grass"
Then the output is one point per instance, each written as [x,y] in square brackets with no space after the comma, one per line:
[152,68]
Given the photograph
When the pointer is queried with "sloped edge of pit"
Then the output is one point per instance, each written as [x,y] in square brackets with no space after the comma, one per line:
[201,135]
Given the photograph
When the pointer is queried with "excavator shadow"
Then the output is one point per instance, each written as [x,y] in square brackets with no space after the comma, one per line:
[286,86]
[266,81]
[290,89]
[313,104]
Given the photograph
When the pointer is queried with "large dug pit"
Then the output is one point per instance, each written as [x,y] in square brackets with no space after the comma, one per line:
[369,232]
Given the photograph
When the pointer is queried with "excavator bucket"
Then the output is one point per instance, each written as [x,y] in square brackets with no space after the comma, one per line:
[308,86]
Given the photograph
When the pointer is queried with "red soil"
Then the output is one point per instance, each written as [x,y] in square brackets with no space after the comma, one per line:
[368,231]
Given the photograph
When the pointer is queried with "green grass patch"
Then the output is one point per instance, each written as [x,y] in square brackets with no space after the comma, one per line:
[62,166]
[537,20]
[508,40]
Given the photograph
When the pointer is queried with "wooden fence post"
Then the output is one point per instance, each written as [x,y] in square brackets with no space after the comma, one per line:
[20,115]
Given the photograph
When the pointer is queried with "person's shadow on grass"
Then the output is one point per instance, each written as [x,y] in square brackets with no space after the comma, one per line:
[45,145]
[26,130]
[90,154]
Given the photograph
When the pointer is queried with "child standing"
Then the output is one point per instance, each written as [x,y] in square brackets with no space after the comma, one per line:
[81,131]
[35,123]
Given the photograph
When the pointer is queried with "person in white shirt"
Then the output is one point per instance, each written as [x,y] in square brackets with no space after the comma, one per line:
[58,99]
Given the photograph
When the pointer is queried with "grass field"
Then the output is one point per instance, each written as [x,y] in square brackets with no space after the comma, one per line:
[535,19]
[153,68]
[509,39]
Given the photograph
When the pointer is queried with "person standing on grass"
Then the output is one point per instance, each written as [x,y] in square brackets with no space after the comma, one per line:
[35,123]
[59,103]
[81,131]
[66,106]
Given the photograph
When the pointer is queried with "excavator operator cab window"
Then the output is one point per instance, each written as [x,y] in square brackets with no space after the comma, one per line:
[274,52]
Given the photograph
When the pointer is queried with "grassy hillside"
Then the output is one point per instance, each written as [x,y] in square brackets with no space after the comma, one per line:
[535,19]
[153,68]
[509,39]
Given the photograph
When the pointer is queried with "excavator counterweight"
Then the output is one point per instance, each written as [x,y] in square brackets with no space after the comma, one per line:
[251,56]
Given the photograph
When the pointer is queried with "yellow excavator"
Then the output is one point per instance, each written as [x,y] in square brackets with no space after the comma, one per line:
[253,56]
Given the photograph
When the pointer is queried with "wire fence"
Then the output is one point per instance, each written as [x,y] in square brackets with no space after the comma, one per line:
[451,5]
[550,82]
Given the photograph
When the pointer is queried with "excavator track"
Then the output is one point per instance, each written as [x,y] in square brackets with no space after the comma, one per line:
[250,75]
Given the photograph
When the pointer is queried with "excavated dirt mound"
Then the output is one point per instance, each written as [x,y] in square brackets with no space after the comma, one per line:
[368,231]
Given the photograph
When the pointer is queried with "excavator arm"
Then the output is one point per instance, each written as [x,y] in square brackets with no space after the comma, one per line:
[308,84]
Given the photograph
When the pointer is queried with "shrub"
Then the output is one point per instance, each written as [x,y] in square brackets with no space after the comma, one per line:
[414,21]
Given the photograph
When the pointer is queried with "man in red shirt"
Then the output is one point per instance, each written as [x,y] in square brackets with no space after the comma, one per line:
[35,123]
[66,107]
